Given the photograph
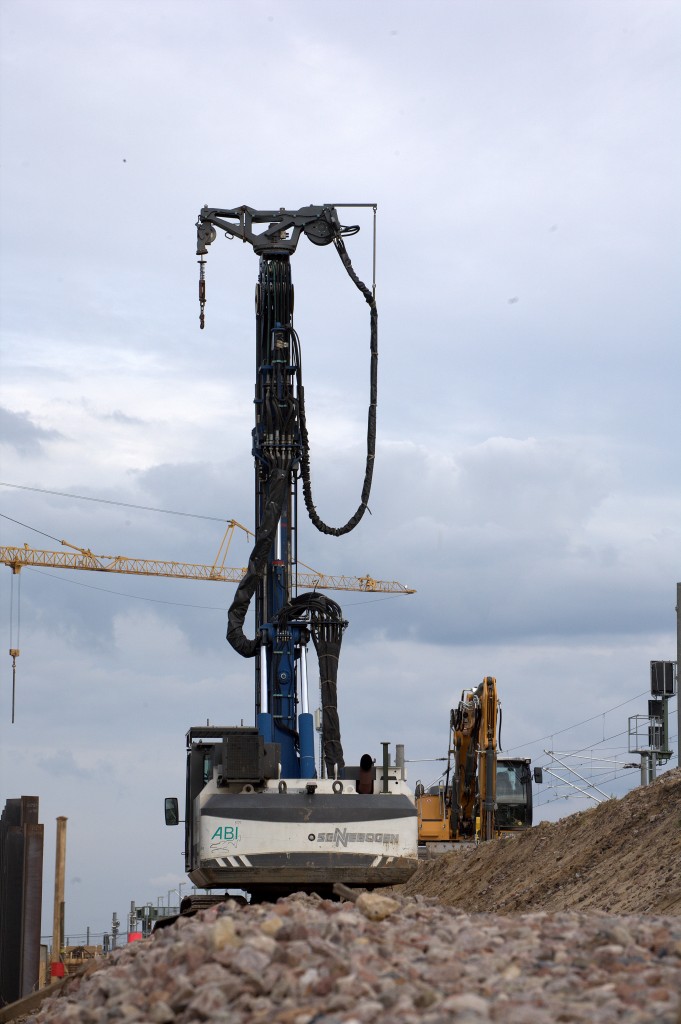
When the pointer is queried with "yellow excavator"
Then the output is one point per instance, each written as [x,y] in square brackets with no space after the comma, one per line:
[481,795]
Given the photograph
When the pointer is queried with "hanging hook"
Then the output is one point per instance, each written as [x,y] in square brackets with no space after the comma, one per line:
[14,651]
[14,654]
[202,290]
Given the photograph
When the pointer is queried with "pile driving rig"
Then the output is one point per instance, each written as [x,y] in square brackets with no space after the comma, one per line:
[259,815]
[482,795]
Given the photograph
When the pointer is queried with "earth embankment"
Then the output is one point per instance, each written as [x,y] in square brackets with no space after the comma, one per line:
[622,856]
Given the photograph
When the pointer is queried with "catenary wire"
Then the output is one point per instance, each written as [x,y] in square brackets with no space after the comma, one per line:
[558,732]
[120,593]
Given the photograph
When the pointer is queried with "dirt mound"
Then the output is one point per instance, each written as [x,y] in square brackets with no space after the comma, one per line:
[622,856]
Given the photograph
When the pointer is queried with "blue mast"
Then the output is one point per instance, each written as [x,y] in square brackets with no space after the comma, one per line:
[281,679]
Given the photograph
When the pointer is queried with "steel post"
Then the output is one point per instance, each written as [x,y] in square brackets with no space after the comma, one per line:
[59,878]
[386,767]
[678,662]
[31,910]
[13,857]
[399,761]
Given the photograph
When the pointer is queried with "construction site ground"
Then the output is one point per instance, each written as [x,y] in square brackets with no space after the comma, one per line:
[577,921]
[622,856]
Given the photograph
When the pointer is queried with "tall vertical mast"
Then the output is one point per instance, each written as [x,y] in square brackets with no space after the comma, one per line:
[277,453]
[284,623]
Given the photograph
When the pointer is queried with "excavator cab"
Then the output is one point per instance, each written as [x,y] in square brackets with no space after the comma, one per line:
[514,794]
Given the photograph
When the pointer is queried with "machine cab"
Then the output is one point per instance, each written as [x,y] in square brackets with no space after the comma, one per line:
[514,794]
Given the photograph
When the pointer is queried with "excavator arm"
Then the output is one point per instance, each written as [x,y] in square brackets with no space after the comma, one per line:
[474,747]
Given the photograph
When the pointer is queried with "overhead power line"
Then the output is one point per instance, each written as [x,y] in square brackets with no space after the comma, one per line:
[110,501]
[131,597]
[571,795]
[558,732]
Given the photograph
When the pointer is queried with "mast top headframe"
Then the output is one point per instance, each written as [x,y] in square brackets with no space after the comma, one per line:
[319,223]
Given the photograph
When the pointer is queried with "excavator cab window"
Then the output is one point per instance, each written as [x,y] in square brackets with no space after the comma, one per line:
[513,796]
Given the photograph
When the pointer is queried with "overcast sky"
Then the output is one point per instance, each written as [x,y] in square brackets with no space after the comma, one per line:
[524,157]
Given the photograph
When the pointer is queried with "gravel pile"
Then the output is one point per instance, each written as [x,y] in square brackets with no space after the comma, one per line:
[403,960]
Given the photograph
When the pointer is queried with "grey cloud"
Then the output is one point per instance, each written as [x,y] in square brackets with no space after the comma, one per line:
[18,430]
[120,417]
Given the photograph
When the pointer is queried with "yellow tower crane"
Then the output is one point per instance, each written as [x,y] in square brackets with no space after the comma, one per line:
[82,558]
[17,558]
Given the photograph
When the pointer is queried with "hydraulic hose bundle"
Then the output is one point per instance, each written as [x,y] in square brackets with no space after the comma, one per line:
[266,530]
[339,531]
[326,626]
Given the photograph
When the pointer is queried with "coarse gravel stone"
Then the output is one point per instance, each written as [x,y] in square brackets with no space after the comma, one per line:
[305,960]
[559,925]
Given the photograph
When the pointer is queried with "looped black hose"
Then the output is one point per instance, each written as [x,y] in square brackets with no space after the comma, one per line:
[338,531]
[326,626]
[236,615]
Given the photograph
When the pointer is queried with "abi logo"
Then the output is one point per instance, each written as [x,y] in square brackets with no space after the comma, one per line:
[227,833]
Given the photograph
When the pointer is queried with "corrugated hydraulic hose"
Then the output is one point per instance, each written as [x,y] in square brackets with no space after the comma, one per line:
[338,531]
